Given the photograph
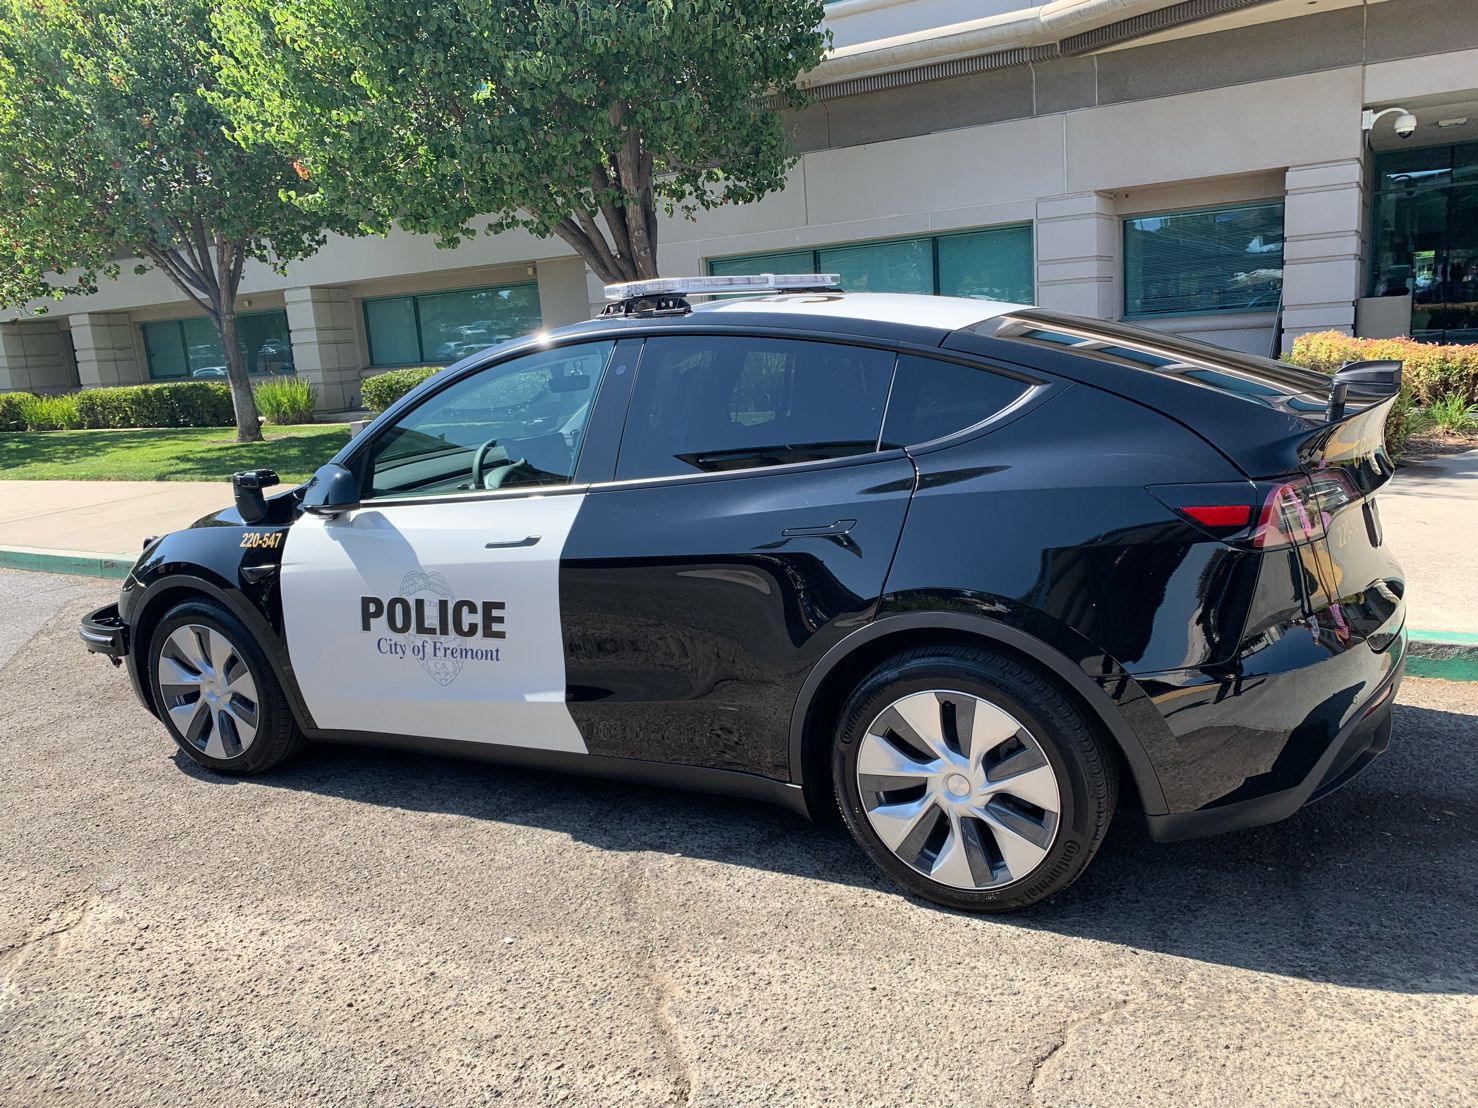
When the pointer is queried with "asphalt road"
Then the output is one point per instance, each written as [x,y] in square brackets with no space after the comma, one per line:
[377,928]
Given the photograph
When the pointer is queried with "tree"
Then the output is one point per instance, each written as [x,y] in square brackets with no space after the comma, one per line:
[110,148]
[576,118]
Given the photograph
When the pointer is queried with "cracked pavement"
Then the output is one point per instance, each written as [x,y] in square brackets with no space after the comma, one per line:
[370,927]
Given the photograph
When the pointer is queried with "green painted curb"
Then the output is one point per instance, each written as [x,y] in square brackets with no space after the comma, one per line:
[1448,655]
[79,563]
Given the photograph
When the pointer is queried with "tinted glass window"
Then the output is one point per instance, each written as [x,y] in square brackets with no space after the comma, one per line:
[440,327]
[712,403]
[993,264]
[515,424]
[191,348]
[932,399]
[1217,260]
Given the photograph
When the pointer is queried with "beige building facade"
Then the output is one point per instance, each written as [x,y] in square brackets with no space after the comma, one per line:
[1218,168]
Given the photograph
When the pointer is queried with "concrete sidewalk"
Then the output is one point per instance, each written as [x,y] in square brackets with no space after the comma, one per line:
[1430,514]
[88,521]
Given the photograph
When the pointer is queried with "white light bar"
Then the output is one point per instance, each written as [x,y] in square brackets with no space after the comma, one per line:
[714,286]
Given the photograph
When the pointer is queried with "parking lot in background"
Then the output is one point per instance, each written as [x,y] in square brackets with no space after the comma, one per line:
[366,927]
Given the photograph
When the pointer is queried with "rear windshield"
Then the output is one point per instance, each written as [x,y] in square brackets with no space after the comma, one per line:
[1288,388]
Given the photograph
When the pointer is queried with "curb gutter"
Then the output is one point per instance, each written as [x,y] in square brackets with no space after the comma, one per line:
[1450,655]
[83,563]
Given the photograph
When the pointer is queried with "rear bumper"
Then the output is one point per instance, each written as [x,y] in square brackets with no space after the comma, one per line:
[1358,743]
[104,632]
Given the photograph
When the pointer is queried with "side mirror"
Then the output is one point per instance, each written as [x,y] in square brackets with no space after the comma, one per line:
[330,491]
[247,486]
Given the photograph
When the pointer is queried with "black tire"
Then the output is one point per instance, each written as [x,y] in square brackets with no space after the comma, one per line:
[276,737]
[1086,773]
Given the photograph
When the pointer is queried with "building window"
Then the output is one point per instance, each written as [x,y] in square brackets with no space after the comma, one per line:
[1210,260]
[184,348]
[1425,238]
[440,327]
[993,264]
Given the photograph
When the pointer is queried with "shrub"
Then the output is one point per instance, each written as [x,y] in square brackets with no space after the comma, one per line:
[1431,372]
[384,389]
[170,404]
[287,400]
[50,413]
[12,411]
[1452,414]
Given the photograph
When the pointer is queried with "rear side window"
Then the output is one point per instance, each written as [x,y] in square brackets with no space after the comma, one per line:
[710,403]
[932,398]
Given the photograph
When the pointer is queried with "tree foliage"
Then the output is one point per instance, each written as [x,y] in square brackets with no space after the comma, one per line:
[576,118]
[110,148]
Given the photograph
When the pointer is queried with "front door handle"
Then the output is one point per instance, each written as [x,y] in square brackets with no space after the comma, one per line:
[505,544]
[840,527]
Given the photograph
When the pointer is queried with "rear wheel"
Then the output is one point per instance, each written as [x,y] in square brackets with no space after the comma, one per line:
[216,693]
[971,779]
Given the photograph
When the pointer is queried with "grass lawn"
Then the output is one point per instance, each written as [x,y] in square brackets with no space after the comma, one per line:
[166,454]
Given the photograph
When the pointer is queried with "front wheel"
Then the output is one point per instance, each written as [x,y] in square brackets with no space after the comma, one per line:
[216,693]
[971,779]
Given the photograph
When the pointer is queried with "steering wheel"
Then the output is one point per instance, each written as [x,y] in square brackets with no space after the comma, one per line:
[479,460]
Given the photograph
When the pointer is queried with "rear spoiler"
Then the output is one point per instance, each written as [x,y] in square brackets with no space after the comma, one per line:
[1370,381]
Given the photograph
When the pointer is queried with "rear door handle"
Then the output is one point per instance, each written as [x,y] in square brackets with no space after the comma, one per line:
[840,527]
[505,544]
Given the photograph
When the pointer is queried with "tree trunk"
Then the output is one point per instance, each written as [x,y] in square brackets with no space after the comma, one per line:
[207,269]
[248,425]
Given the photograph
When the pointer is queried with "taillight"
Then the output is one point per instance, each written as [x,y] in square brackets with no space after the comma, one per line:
[1219,515]
[1263,514]
[1299,509]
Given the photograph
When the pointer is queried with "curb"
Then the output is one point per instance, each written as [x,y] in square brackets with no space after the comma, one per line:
[83,563]
[1449,655]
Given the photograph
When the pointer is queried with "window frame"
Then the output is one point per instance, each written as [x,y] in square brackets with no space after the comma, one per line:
[1237,206]
[1036,389]
[179,324]
[602,441]
[357,455]
[782,334]
[415,298]
[933,238]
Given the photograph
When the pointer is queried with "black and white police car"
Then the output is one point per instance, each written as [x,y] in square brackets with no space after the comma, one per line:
[968,572]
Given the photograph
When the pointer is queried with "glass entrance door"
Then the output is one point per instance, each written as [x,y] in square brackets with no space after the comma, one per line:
[1425,238]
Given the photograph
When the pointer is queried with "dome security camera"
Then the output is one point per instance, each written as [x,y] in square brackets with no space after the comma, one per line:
[1405,125]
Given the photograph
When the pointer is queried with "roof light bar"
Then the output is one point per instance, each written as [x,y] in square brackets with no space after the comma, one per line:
[715,286]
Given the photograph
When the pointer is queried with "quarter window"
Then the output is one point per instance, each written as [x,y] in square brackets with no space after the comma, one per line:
[712,403]
[515,424]
[933,398]
[1213,260]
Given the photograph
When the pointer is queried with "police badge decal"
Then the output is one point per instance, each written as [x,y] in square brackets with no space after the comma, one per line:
[443,665]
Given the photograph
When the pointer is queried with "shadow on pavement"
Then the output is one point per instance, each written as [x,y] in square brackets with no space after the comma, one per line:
[1373,887]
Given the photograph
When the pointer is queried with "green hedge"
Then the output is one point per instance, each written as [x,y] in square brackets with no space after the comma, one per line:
[383,389]
[13,411]
[173,404]
[170,404]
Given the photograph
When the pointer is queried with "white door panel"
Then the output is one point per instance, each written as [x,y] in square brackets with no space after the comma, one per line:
[438,620]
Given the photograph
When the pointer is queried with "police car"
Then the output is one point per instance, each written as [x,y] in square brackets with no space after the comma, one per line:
[971,574]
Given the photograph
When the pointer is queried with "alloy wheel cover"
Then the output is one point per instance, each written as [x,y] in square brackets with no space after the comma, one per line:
[957,789]
[209,691]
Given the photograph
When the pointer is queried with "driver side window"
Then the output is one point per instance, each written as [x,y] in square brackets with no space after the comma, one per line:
[515,424]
